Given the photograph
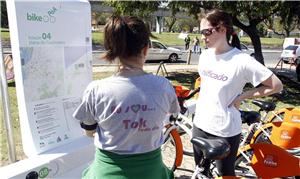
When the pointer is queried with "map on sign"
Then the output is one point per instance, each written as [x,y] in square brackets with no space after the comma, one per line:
[55,74]
[41,68]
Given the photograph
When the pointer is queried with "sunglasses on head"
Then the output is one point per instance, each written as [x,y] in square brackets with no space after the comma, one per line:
[209,31]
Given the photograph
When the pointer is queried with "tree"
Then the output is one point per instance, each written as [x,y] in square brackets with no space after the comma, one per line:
[134,8]
[254,12]
[289,14]
[273,24]
[4,19]
[170,21]
[141,9]
[246,15]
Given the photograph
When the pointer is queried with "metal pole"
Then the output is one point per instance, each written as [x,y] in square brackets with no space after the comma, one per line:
[188,60]
[6,110]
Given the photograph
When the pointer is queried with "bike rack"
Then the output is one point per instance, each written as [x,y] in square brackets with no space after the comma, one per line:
[163,69]
[280,63]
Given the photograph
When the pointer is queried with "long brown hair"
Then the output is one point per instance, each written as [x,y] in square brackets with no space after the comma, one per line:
[218,17]
[125,37]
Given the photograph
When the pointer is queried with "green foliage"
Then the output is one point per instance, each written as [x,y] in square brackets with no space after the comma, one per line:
[289,13]
[101,18]
[186,25]
[246,15]
[170,21]
[4,34]
[134,8]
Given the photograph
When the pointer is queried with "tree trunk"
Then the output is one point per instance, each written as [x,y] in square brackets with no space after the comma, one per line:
[191,28]
[255,39]
[253,34]
[173,20]
[287,33]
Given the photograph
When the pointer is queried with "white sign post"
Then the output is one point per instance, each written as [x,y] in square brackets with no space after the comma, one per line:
[52,55]
[51,46]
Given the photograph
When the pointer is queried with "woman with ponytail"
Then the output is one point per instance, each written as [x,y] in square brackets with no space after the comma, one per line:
[125,112]
[224,71]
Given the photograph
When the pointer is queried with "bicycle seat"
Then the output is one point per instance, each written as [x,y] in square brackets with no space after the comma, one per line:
[264,105]
[250,117]
[213,149]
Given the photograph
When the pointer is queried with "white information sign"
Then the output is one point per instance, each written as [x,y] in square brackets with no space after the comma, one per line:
[52,55]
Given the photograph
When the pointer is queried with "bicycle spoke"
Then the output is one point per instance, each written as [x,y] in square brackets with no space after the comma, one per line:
[187,145]
[243,167]
[169,153]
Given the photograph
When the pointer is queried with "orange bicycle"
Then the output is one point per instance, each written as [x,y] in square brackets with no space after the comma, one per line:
[272,160]
[291,115]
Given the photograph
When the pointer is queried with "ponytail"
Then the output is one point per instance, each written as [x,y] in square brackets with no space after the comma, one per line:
[235,41]
[125,37]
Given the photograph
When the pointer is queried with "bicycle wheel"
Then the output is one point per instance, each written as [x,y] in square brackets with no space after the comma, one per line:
[172,153]
[280,114]
[187,145]
[243,167]
[275,118]
[262,137]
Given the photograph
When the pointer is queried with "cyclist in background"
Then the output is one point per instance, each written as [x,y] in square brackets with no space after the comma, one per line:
[125,112]
[224,71]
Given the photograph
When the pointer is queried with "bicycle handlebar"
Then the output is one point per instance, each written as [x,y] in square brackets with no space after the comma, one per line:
[182,99]
[192,94]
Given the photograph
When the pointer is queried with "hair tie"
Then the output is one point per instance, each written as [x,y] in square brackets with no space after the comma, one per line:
[233,33]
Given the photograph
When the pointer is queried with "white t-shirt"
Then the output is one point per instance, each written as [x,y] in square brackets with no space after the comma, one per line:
[129,111]
[223,77]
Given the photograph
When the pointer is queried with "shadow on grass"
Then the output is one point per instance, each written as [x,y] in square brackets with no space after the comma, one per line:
[11,84]
[290,85]
[186,79]
[293,90]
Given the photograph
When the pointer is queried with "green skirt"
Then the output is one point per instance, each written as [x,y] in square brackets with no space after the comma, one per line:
[108,165]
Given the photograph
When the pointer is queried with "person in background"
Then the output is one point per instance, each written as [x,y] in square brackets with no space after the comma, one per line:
[196,43]
[187,41]
[125,112]
[224,71]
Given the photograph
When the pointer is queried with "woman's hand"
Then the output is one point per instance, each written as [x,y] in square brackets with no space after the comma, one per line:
[90,133]
[236,102]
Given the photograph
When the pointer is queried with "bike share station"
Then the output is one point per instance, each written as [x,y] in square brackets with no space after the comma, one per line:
[52,51]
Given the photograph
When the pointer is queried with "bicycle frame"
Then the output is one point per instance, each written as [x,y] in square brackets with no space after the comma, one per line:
[275,115]
[255,130]
[292,116]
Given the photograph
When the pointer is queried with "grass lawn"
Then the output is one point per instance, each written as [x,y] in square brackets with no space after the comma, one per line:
[182,78]
[171,39]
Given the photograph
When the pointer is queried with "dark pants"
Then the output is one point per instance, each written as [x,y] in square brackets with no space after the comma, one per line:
[187,46]
[226,165]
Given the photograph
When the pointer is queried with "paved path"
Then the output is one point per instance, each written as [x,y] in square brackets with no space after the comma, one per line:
[286,70]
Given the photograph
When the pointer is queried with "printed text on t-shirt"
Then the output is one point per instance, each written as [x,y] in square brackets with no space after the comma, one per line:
[214,75]
[134,108]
